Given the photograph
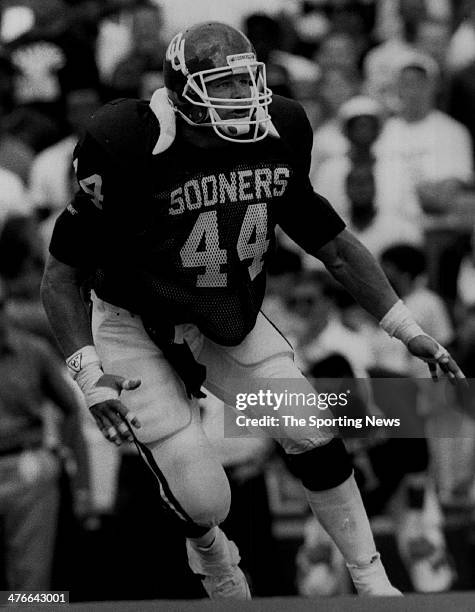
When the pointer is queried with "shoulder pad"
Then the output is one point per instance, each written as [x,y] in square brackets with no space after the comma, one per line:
[125,128]
[293,126]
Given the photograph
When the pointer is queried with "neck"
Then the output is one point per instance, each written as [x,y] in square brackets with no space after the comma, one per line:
[361,153]
[202,137]
[415,114]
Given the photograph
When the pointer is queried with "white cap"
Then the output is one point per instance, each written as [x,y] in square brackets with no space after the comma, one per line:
[360,106]
[416,59]
[16,20]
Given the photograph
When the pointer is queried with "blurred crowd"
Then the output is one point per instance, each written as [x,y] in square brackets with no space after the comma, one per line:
[389,89]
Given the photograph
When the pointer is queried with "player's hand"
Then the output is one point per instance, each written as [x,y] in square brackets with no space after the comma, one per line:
[111,416]
[436,356]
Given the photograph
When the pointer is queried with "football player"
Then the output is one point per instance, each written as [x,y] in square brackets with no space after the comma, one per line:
[175,239]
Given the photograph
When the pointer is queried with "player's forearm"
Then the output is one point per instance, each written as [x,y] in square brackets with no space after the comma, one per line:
[65,307]
[357,270]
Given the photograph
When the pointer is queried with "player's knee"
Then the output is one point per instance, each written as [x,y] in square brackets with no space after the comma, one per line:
[210,504]
[210,514]
[323,467]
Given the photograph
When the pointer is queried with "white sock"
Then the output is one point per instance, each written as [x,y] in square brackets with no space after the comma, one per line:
[341,513]
[213,556]
[205,541]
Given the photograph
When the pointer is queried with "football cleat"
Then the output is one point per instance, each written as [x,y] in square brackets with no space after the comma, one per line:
[371,579]
[218,568]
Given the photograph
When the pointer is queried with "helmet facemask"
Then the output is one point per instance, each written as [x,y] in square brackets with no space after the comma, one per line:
[257,121]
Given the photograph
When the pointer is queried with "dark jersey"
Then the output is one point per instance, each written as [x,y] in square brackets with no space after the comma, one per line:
[185,235]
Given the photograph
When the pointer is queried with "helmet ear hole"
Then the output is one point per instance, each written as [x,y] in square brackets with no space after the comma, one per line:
[197,114]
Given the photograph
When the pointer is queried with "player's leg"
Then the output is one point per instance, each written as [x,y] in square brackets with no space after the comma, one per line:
[319,460]
[191,480]
[195,485]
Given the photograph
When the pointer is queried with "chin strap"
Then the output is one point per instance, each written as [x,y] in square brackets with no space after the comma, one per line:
[234,127]
[239,127]
[165,114]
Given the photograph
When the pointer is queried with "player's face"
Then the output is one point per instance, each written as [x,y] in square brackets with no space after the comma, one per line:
[233,87]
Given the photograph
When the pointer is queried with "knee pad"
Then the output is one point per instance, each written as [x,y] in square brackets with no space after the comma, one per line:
[323,467]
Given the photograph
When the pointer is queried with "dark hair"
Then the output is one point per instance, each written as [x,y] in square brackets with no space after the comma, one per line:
[406,258]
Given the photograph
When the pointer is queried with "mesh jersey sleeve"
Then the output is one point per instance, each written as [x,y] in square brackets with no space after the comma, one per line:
[308,218]
[305,216]
[79,231]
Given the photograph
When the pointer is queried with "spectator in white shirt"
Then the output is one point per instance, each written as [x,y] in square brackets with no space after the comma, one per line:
[435,154]
[411,28]
[433,148]
[335,87]
[13,197]
[52,181]
[461,50]
[362,186]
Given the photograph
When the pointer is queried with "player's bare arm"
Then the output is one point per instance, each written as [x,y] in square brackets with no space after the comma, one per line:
[355,268]
[66,310]
[69,317]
